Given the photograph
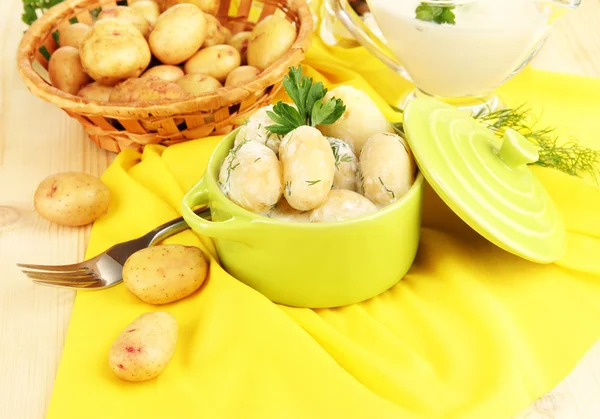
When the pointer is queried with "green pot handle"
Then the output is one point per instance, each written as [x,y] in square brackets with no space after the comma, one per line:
[231,229]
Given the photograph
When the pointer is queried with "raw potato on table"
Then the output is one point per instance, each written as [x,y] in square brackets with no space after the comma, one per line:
[145,347]
[164,72]
[270,39]
[216,61]
[66,72]
[197,84]
[240,42]
[146,89]
[113,51]
[215,32]
[149,9]
[207,6]
[72,35]
[71,198]
[126,14]
[96,91]
[166,273]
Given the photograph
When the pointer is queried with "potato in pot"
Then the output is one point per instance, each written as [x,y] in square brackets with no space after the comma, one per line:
[270,39]
[96,91]
[72,35]
[346,165]
[113,51]
[308,167]
[164,72]
[342,205]
[216,61]
[240,42]
[126,14]
[251,177]
[149,9]
[166,273]
[145,347]
[66,71]
[283,211]
[387,169]
[178,33]
[197,84]
[255,130]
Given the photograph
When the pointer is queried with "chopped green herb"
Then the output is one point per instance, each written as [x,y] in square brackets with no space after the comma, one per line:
[288,188]
[438,14]
[313,182]
[387,190]
[257,159]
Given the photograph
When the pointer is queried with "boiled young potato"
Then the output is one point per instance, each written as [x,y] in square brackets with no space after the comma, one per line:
[96,91]
[114,50]
[147,8]
[166,273]
[127,14]
[65,70]
[387,168]
[207,6]
[308,167]
[145,347]
[216,61]
[164,72]
[216,33]
[72,35]
[197,84]
[178,34]
[240,42]
[342,205]
[251,177]
[255,129]
[283,211]
[346,165]
[361,120]
[270,39]
[71,198]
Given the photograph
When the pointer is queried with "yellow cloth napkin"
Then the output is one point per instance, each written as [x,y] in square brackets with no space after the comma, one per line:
[471,332]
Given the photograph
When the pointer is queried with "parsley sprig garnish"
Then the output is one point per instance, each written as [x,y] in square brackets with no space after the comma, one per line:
[438,14]
[310,108]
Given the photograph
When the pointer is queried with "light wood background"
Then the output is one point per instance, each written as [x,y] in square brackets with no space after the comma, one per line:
[37,139]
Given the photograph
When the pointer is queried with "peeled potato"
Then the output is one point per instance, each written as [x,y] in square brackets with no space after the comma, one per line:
[178,34]
[216,61]
[145,347]
[113,51]
[166,273]
[65,70]
[147,8]
[215,32]
[96,91]
[164,72]
[72,35]
[270,39]
[71,198]
[197,84]
[127,14]
[240,42]
[342,205]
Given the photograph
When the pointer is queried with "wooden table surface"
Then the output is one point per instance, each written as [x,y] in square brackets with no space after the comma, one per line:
[37,139]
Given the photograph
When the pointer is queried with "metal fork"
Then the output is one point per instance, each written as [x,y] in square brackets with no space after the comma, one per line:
[104,270]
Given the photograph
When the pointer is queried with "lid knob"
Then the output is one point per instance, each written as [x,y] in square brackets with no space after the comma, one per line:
[516,150]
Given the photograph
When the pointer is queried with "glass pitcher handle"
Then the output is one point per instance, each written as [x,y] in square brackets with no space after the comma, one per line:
[363,34]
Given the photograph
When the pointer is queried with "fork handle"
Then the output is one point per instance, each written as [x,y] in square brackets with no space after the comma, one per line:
[173,227]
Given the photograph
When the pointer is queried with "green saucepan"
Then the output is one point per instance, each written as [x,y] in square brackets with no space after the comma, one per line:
[307,264]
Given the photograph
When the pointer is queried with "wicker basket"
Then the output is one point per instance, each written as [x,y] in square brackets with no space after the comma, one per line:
[115,127]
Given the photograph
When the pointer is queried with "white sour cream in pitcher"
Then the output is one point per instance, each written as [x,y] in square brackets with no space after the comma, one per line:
[490,40]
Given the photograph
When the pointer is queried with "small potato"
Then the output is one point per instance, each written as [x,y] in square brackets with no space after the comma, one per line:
[166,273]
[146,89]
[285,212]
[342,205]
[164,72]
[216,33]
[255,130]
[127,14]
[147,8]
[113,51]
[207,6]
[71,198]
[178,34]
[72,35]
[96,91]
[197,84]
[346,165]
[308,167]
[270,39]
[241,75]
[65,70]
[387,169]
[216,61]
[145,347]
[251,177]
[240,42]
[361,120]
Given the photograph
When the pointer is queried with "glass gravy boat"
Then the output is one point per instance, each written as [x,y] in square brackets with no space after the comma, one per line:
[461,56]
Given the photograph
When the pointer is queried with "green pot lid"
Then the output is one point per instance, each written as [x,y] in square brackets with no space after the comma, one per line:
[485,180]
